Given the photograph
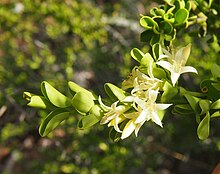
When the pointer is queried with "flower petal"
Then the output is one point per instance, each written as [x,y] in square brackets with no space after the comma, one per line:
[162,56]
[103,106]
[152,95]
[174,77]
[128,129]
[156,119]
[162,106]
[165,65]
[137,128]
[188,69]
[142,116]
[116,122]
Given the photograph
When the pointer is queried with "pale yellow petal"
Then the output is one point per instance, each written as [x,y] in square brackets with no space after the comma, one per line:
[128,129]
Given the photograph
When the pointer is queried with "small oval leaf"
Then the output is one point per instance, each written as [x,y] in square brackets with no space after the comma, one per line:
[83,101]
[74,88]
[136,54]
[87,121]
[37,101]
[115,93]
[54,96]
[181,16]
[52,120]
[203,128]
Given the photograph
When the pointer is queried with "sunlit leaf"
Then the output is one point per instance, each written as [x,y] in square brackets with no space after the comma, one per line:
[74,88]
[181,16]
[52,120]
[203,128]
[115,93]
[83,101]
[54,96]
[136,54]
[193,101]
[87,121]
[37,101]
[205,106]
[169,92]
[216,104]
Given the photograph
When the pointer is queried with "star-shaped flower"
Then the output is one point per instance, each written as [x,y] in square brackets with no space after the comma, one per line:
[176,62]
[114,114]
[150,108]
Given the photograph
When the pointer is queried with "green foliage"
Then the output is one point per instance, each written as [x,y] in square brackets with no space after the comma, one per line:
[55,40]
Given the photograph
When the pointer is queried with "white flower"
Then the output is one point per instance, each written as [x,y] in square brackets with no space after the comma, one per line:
[176,63]
[131,125]
[146,109]
[114,114]
[150,108]
[141,82]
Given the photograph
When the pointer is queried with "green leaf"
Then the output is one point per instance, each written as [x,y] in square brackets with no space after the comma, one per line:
[37,101]
[136,54]
[215,69]
[169,92]
[54,96]
[147,35]
[205,106]
[74,88]
[216,114]
[147,58]
[193,101]
[83,102]
[216,104]
[157,50]
[147,22]
[115,93]
[181,16]
[52,120]
[159,73]
[182,109]
[155,39]
[97,111]
[87,121]
[204,127]
[167,27]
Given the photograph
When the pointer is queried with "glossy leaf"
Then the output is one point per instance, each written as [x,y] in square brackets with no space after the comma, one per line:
[37,101]
[147,58]
[74,88]
[203,128]
[157,50]
[216,104]
[52,120]
[96,110]
[147,22]
[87,121]
[216,114]
[115,93]
[181,16]
[193,101]
[54,96]
[136,54]
[83,101]
[169,92]
[167,27]
[205,106]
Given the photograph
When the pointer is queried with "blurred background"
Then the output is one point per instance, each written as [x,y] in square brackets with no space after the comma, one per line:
[89,42]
